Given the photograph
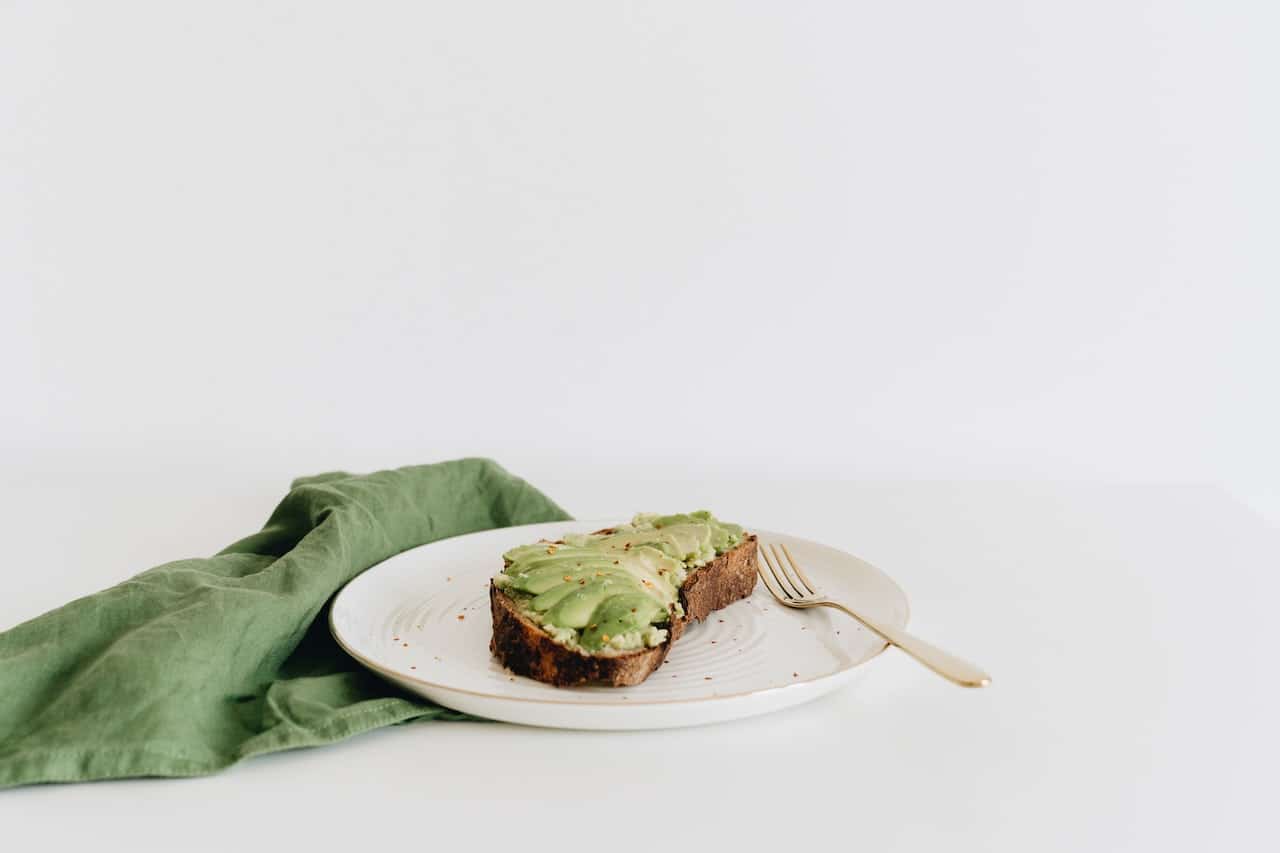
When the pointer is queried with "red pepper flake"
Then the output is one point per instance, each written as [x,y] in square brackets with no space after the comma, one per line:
[461,616]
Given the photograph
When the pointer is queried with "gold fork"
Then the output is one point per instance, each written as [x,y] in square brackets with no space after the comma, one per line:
[794,589]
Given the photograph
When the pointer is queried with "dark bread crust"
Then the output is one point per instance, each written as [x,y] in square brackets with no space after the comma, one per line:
[524,648]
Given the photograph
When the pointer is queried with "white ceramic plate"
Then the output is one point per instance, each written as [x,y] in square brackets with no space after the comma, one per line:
[421,620]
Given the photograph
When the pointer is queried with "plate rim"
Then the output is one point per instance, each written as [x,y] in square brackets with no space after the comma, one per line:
[662,703]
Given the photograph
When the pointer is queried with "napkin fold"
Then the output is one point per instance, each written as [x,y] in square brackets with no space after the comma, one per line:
[194,665]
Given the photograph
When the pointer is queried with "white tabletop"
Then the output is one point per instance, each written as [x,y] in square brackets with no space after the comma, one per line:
[1128,629]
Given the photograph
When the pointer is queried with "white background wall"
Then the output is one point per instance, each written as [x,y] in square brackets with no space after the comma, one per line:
[903,240]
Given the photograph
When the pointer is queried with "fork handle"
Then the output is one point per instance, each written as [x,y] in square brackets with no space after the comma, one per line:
[943,663]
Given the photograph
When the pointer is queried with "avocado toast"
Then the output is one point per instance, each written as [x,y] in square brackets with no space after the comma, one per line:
[605,607]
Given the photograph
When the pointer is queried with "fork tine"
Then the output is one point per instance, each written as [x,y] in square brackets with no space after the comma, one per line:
[788,575]
[780,574]
[766,572]
[799,572]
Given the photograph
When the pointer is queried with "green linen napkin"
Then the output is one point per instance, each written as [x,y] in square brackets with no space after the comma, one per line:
[194,665]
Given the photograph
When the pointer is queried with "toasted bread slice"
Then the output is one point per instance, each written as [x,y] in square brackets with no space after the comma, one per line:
[523,647]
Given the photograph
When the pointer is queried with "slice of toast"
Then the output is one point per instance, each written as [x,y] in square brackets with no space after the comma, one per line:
[523,647]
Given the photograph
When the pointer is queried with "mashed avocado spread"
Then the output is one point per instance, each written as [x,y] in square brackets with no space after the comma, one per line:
[613,591]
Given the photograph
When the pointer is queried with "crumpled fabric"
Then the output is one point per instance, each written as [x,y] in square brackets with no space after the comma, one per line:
[194,665]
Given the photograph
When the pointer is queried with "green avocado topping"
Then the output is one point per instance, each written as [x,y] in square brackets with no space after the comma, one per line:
[602,592]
